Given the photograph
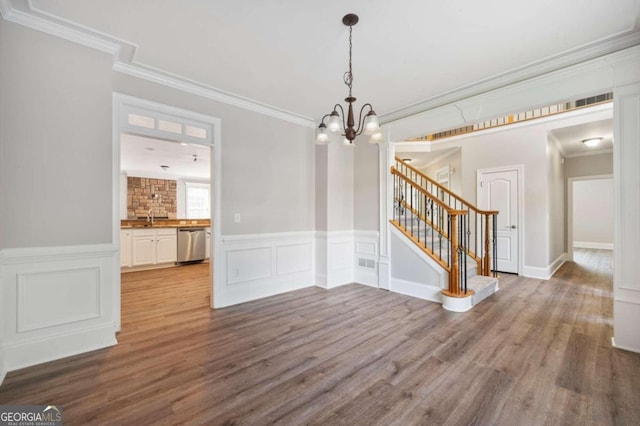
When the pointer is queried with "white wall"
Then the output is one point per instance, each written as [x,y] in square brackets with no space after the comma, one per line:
[557,204]
[56,141]
[365,195]
[593,215]
[590,165]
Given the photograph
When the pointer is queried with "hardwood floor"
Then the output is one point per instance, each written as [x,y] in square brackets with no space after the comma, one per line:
[537,352]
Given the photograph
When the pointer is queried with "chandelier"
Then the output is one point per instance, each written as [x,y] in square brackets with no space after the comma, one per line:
[337,121]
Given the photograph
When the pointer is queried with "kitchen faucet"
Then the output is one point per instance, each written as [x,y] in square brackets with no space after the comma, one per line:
[150,216]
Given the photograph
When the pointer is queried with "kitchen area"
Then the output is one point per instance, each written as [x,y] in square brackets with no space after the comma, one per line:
[165,198]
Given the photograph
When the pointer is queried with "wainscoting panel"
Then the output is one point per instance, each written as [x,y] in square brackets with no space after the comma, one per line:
[56,302]
[294,258]
[262,265]
[366,258]
[340,255]
[249,264]
[42,298]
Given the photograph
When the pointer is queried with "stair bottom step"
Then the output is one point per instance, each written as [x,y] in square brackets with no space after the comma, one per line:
[483,287]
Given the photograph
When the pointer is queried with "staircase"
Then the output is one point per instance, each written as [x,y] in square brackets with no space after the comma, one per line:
[458,236]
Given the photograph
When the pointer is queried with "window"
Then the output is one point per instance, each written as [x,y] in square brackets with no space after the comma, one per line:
[197,200]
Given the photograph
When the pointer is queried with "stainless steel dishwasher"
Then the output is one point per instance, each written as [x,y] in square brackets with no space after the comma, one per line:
[191,244]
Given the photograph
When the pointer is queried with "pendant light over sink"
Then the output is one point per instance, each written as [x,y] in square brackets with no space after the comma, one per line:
[367,123]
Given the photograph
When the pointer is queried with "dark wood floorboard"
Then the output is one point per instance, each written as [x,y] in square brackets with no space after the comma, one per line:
[536,353]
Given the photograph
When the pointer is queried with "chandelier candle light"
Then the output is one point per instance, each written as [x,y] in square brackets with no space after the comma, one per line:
[367,124]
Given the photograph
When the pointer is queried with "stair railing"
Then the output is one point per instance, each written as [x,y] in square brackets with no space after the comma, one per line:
[480,234]
[437,229]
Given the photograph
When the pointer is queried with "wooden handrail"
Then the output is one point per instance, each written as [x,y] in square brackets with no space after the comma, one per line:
[462,200]
[426,193]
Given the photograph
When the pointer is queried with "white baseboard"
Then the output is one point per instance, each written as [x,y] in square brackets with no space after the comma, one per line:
[422,291]
[26,354]
[624,348]
[589,245]
[56,302]
[544,273]
[625,321]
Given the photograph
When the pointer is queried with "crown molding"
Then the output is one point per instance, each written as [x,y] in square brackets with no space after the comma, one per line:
[557,62]
[199,89]
[123,52]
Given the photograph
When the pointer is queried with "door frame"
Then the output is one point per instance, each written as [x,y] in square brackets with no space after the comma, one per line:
[121,101]
[570,182]
[519,168]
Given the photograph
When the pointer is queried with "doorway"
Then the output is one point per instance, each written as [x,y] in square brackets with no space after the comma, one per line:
[500,189]
[166,124]
[590,213]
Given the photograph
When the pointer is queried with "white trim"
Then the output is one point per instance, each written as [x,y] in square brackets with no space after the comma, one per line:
[36,352]
[546,272]
[31,336]
[457,304]
[267,236]
[366,246]
[521,217]
[521,78]
[613,343]
[121,101]
[14,256]
[57,27]
[590,245]
[209,92]
[254,266]
[428,292]
[570,181]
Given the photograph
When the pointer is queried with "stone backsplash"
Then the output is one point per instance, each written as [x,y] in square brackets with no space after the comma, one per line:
[146,193]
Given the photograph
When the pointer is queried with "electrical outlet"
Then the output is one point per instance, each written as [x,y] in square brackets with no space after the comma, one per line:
[237,217]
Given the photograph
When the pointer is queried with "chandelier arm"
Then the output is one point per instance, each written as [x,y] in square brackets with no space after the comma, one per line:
[342,116]
[325,116]
[361,118]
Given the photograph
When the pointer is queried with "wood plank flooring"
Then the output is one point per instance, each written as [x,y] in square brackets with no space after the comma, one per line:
[537,352]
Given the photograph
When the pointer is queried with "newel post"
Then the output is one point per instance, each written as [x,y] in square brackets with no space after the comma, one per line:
[453,247]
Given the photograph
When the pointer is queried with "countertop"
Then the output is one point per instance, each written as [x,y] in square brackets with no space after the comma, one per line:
[165,223]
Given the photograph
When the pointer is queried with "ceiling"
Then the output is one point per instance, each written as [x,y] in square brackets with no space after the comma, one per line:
[142,156]
[570,138]
[292,54]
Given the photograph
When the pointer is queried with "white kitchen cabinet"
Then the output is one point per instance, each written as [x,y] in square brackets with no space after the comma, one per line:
[152,246]
[208,244]
[125,247]
[143,247]
[166,245]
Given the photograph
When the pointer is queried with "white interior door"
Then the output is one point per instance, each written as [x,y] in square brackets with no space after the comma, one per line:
[499,191]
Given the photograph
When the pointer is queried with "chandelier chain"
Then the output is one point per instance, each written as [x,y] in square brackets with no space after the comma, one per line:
[348,76]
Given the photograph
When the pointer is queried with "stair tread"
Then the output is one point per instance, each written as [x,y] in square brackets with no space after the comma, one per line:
[482,286]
